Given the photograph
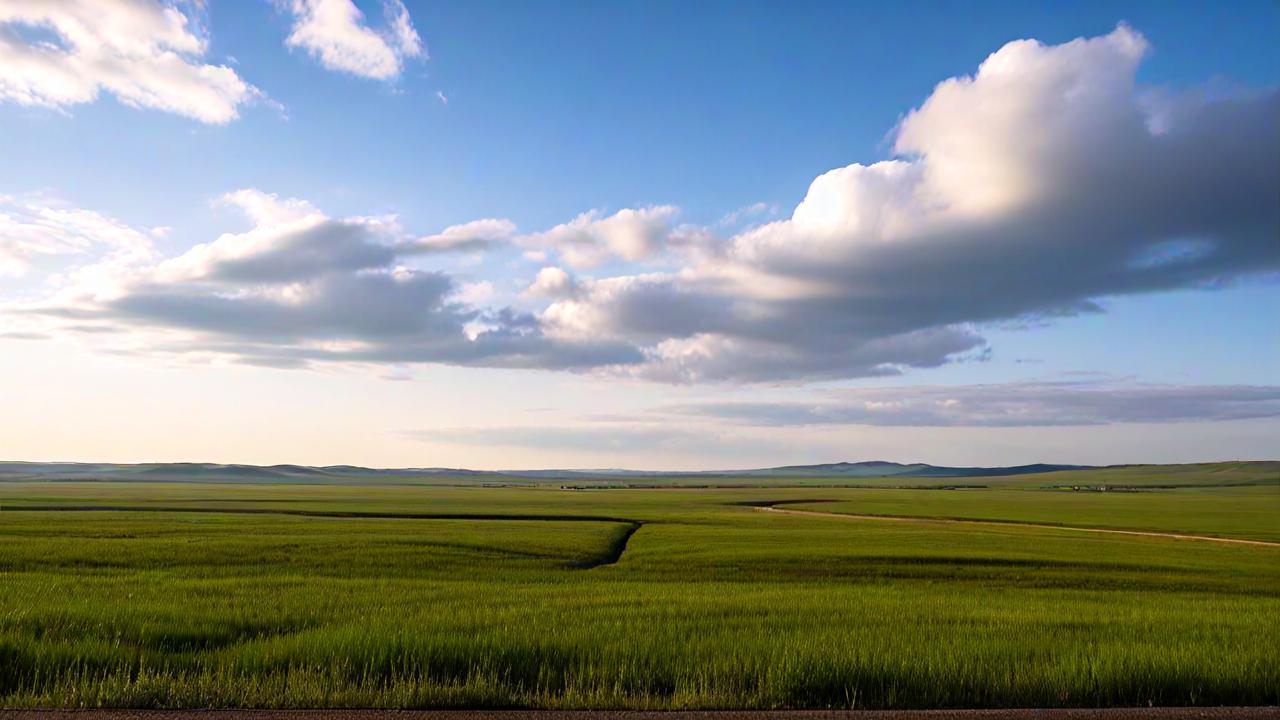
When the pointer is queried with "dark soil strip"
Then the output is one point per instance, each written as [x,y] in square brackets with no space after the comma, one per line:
[610,557]
[1206,713]
[354,514]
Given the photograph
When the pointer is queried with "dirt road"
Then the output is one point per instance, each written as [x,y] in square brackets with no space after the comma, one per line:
[1011,523]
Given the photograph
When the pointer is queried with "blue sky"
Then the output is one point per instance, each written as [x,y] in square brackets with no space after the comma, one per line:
[708,120]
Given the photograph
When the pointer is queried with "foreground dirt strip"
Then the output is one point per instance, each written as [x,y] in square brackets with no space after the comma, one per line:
[961,521]
[1211,713]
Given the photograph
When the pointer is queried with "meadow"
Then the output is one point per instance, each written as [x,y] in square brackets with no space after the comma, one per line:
[367,595]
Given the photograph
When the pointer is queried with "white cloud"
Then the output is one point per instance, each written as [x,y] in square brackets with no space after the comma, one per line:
[145,53]
[471,236]
[334,32]
[1031,188]
[267,208]
[746,213]
[552,282]
[405,37]
[301,287]
[591,238]
[291,241]
[975,134]
[474,293]
[1070,197]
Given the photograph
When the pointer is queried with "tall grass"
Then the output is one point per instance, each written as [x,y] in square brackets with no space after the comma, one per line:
[711,606]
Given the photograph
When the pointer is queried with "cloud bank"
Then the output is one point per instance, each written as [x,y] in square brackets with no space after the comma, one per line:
[300,286]
[1035,187]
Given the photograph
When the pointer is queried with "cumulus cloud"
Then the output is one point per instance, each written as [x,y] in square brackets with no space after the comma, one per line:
[592,237]
[301,287]
[290,241]
[1044,182]
[144,52]
[334,33]
[1031,188]
[553,282]
[1061,403]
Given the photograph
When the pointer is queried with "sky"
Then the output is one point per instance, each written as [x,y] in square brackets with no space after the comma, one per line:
[652,235]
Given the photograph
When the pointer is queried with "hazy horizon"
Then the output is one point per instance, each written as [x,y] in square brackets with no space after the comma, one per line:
[614,468]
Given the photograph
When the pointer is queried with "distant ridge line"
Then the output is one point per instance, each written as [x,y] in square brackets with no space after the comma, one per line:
[338,474]
[286,472]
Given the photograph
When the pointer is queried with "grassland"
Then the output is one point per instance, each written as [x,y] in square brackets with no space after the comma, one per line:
[212,595]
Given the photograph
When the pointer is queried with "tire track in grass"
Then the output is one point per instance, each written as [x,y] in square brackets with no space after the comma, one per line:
[771,507]
[611,557]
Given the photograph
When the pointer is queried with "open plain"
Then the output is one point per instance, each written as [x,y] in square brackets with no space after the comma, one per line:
[449,594]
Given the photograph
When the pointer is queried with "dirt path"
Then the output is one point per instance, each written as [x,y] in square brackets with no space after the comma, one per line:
[1013,523]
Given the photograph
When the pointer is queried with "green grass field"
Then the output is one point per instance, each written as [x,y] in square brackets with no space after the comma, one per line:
[208,595]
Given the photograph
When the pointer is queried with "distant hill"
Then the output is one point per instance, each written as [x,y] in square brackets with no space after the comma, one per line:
[877,471]
[880,468]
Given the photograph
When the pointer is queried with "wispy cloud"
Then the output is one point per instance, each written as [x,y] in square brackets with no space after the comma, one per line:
[746,213]
[34,228]
[607,440]
[1029,404]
